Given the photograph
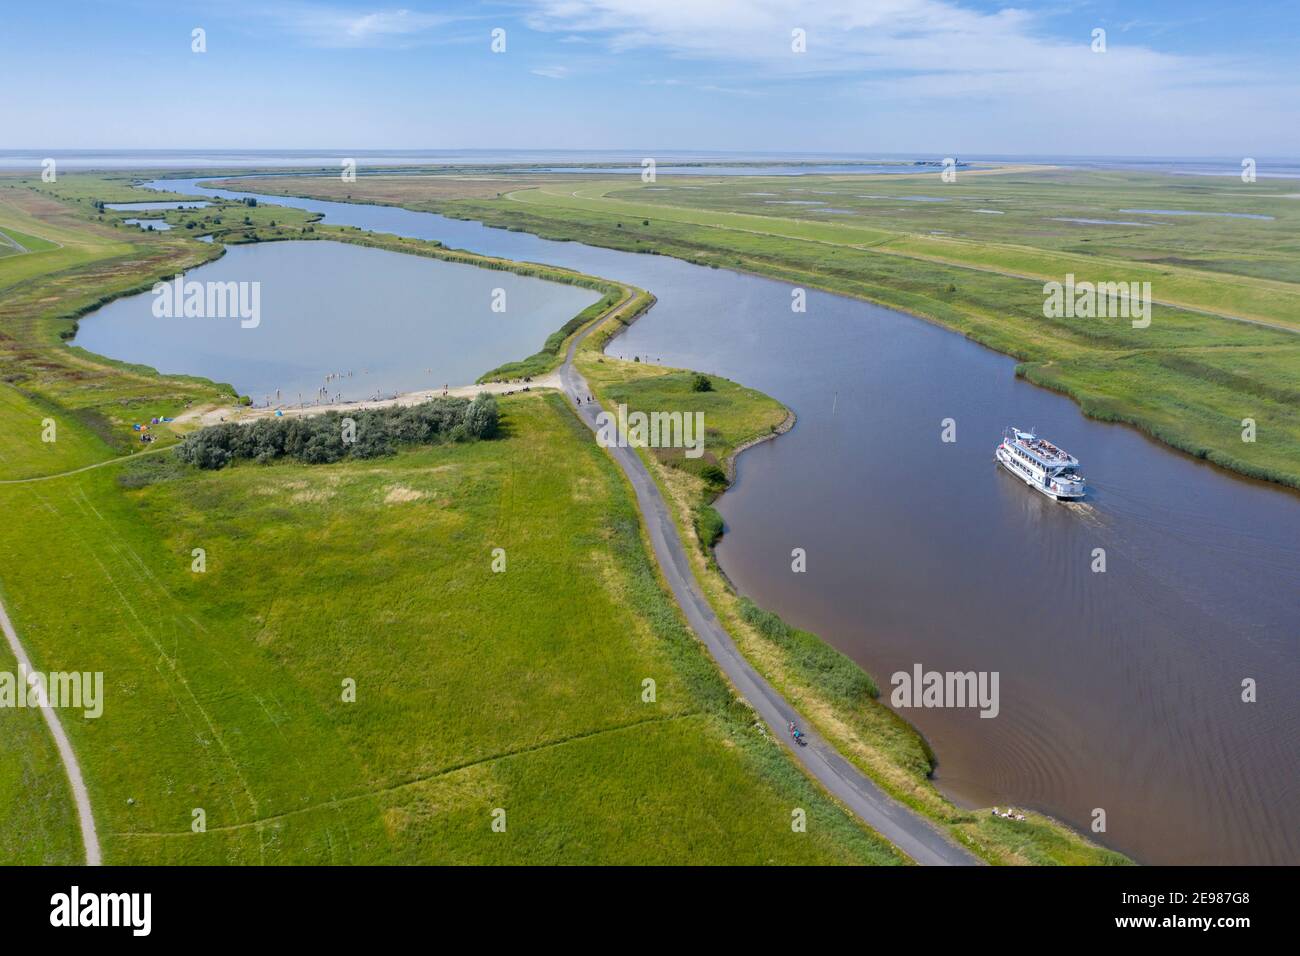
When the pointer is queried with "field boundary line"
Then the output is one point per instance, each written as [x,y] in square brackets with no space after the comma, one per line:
[417,781]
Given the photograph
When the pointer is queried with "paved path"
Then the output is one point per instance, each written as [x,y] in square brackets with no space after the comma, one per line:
[89,838]
[902,827]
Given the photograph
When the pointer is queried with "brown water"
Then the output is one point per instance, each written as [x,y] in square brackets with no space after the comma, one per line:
[1120,690]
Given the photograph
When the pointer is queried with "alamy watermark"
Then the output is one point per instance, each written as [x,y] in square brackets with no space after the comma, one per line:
[71,690]
[1087,300]
[654,430]
[209,300]
[922,688]
[130,910]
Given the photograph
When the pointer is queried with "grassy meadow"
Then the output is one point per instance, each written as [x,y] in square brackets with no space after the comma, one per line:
[475,690]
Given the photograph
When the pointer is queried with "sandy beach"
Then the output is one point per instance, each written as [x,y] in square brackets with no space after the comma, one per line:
[209,415]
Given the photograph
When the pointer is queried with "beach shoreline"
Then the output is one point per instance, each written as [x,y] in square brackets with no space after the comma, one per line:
[243,414]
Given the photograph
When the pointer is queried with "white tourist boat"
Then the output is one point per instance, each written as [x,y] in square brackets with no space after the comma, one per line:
[1040,464]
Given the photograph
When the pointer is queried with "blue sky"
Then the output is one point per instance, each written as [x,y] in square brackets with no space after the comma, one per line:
[1192,78]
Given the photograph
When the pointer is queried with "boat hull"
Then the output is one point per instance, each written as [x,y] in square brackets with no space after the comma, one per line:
[1004,460]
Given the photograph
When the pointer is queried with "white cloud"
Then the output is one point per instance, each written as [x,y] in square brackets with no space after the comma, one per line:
[331,27]
[552,72]
[937,55]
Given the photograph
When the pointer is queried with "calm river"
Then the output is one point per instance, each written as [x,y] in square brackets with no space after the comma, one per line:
[1121,690]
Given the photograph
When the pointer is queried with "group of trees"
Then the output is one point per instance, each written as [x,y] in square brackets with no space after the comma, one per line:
[332,436]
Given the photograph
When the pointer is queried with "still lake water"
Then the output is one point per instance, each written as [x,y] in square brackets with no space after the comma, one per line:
[157,225]
[332,307]
[1120,690]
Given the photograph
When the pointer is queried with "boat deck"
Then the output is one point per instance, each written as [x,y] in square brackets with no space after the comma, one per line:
[1046,451]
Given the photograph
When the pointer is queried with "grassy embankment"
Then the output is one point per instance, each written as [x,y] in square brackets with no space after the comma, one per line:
[829,688]
[1188,380]
[475,690]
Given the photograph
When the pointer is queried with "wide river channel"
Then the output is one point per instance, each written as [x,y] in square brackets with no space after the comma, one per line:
[1120,691]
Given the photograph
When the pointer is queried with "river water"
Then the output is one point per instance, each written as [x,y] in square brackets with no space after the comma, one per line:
[1120,691]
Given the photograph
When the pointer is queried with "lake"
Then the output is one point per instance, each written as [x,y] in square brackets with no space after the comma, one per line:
[1189,212]
[395,322]
[156,225]
[1119,690]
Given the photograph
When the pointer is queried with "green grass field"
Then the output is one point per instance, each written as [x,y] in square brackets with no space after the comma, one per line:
[474,690]
[13,241]
[23,450]
[732,412]
[1015,223]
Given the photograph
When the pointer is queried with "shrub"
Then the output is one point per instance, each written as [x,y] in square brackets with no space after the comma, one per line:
[319,439]
[701,383]
[708,526]
[482,416]
[713,475]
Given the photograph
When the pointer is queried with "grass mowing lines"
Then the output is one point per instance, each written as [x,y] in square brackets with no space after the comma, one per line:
[150,659]
[25,453]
